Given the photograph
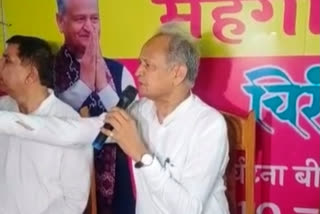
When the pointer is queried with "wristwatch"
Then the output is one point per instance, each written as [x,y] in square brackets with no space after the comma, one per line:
[146,160]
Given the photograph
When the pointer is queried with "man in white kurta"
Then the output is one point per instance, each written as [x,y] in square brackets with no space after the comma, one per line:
[37,178]
[190,150]
[177,142]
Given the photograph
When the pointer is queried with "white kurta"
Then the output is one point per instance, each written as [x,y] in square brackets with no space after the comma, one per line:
[37,178]
[190,148]
[191,155]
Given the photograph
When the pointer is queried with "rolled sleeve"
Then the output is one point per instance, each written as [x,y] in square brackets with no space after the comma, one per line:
[76,94]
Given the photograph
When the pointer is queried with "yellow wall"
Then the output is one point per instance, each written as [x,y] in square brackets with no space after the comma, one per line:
[127,24]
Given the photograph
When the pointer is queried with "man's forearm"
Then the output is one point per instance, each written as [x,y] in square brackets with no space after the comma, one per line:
[50,130]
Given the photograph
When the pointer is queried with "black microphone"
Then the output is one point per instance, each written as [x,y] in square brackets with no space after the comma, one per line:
[126,98]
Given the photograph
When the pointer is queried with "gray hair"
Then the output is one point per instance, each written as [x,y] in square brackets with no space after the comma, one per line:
[61,6]
[182,49]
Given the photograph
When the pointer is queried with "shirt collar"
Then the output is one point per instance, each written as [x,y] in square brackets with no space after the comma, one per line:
[46,102]
[177,112]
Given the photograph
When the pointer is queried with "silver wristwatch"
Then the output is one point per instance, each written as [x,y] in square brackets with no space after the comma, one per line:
[146,160]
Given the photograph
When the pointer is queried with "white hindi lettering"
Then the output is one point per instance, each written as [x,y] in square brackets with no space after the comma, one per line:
[303,173]
[269,174]
[301,210]
[270,206]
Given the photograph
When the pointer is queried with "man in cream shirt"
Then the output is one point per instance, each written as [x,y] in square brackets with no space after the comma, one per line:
[37,178]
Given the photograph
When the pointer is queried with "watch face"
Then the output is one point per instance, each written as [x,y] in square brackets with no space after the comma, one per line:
[147,159]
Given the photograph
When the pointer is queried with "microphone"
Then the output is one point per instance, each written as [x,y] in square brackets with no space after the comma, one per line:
[126,98]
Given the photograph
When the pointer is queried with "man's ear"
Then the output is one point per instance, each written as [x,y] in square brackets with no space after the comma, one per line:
[180,73]
[60,22]
[32,76]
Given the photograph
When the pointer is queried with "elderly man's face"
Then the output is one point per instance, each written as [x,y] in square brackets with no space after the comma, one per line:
[78,21]
[154,73]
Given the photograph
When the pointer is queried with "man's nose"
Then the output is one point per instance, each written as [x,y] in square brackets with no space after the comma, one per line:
[88,25]
[139,71]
